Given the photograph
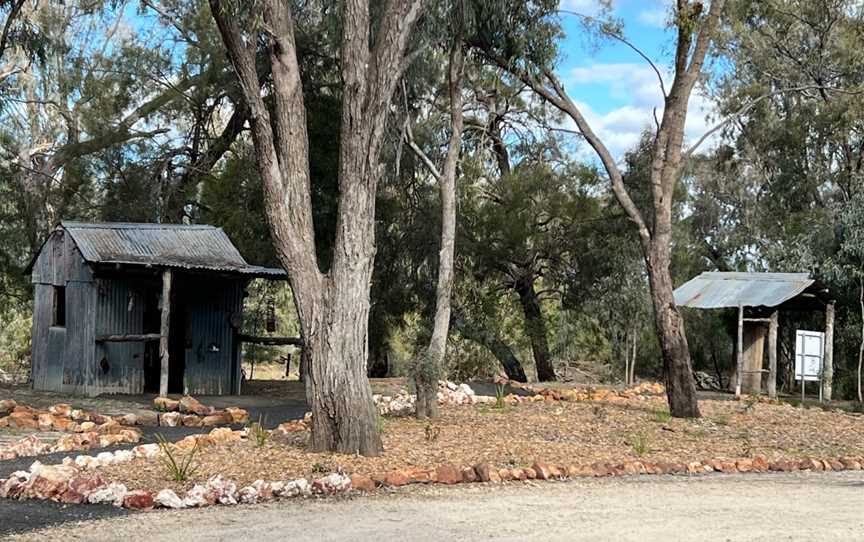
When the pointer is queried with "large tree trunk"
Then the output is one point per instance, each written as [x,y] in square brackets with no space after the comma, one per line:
[333,307]
[502,352]
[535,328]
[429,367]
[680,386]
[337,388]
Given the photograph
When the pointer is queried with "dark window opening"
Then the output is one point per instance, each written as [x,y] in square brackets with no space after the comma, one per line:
[59,319]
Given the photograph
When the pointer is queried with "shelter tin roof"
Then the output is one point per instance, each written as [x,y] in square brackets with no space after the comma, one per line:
[162,245]
[715,290]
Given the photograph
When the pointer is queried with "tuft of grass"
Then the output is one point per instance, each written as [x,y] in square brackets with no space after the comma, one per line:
[640,445]
[499,396]
[432,432]
[721,419]
[180,467]
[662,416]
[258,433]
[321,468]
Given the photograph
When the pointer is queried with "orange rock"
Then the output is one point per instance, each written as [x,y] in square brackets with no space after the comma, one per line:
[419,476]
[61,409]
[760,464]
[220,418]
[191,420]
[396,478]
[165,404]
[7,406]
[139,499]
[810,464]
[530,473]
[518,474]
[190,405]
[448,474]
[544,470]
[744,465]
[362,483]
[64,424]
[850,463]
[486,473]
[469,475]
[505,474]
[4,421]
[23,420]
[45,422]
[238,415]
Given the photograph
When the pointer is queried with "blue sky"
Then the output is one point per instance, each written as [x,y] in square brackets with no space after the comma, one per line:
[616,89]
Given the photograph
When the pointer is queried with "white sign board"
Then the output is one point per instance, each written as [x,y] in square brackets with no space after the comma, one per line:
[809,351]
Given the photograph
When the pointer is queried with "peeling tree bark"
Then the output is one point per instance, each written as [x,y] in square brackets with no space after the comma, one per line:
[333,307]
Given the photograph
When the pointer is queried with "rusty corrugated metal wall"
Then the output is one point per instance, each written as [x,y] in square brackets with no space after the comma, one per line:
[120,310]
[212,355]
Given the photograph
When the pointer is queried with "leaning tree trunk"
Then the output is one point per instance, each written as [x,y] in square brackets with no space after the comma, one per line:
[488,339]
[429,367]
[680,386]
[535,327]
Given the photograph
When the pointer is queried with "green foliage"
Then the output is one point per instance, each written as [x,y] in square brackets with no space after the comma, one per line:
[500,394]
[639,443]
[662,416]
[180,467]
[260,435]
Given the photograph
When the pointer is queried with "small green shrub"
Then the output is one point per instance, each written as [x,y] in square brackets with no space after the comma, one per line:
[639,443]
[258,433]
[499,396]
[661,416]
[180,467]
[721,419]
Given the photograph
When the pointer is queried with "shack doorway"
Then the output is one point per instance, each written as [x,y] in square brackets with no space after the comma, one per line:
[152,363]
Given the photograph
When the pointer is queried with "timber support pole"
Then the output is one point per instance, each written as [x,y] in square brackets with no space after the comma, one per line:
[773,325]
[828,358]
[164,331]
[739,359]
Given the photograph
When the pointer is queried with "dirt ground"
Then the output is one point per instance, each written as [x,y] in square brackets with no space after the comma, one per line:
[771,507]
[558,432]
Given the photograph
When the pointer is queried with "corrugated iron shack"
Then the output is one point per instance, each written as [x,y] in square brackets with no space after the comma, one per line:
[136,308]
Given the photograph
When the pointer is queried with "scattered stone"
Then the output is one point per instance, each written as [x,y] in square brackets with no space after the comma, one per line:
[238,415]
[486,473]
[170,419]
[469,475]
[61,409]
[7,406]
[110,494]
[168,499]
[544,471]
[294,488]
[165,404]
[221,435]
[331,484]
[198,496]
[190,405]
[140,499]
[223,491]
[219,418]
[14,486]
[192,420]
[364,483]
[48,481]
[448,474]
[148,418]
[396,478]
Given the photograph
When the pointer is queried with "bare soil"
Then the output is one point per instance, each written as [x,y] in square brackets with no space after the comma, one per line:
[558,432]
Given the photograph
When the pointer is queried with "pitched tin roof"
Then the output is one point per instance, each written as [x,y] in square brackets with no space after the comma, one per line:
[714,290]
[163,245]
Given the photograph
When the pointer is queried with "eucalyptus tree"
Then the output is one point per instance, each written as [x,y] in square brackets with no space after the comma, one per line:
[523,43]
[334,306]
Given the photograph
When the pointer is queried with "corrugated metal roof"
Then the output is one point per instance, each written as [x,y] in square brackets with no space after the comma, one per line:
[715,290]
[163,245]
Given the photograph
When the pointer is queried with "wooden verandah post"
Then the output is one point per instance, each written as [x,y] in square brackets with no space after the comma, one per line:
[740,354]
[164,331]
[773,325]
[828,357]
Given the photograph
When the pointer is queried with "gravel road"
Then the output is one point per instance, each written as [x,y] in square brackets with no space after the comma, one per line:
[770,507]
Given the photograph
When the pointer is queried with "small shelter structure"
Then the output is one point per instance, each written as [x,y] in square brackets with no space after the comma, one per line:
[134,308]
[759,297]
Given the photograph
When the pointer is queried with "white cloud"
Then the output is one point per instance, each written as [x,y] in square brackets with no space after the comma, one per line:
[655,17]
[635,85]
[590,8]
